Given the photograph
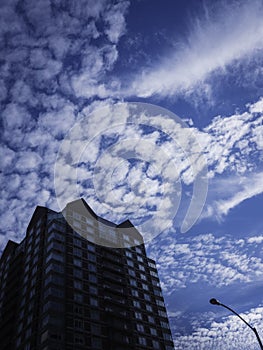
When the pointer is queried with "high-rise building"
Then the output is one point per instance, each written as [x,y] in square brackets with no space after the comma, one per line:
[77,281]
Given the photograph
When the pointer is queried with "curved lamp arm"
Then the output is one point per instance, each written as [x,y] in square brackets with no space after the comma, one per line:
[214,301]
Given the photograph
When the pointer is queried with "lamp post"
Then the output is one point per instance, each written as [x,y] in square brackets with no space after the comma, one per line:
[216,302]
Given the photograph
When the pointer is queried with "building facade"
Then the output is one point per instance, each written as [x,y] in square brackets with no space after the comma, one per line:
[77,281]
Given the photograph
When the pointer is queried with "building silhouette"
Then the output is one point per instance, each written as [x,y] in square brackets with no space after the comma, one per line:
[77,281]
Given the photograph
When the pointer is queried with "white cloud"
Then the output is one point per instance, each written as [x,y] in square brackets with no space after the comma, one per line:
[256,107]
[223,35]
[249,187]
[206,258]
[256,239]
[27,161]
[116,21]
[46,51]
[228,334]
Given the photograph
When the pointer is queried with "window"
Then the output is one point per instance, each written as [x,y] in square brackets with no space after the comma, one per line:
[150,319]
[94,315]
[147,297]
[164,325]
[139,258]
[55,226]
[107,233]
[77,273]
[19,329]
[96,343]
[18,342]
[136,303]
[56,279]
[133,282]
[35,260]
[145,287]
[152,265]
[92,267]
[141,268]
[130,263]
[77,252]
[56,256]
[77,262]
[29,319]
[94,302]
[78,284]
[78,310]
[135,293]
[156,344]
[155,283]
[95,329]
[128,254]
[138,250]
[153,273]
[45,320]
[76,224]
[91,257]
[138,315]
[56,336]
[126,237]
[53,291]
[79,339]
[140,327]
[78,323]
[78,297]
[90,221]
[160,303]
[149,308]
[44,336]
[157,292]
[56,245]
[93,290]
[55,267]
[76,215]
[161,313]
[142,341]
[77,242]
[53,305]
[131,272]
[143,277]
[91,247]
[93,278]
[153,331]
[167,336]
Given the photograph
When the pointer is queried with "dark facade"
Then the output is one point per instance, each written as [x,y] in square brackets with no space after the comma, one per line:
[80,283]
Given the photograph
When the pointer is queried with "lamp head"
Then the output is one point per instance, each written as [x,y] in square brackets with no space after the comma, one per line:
[213,301]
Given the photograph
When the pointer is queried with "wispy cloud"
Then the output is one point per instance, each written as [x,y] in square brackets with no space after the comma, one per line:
[248,187]
[226,32]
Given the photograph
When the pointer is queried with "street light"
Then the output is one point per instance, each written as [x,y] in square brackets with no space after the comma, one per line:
[216,302]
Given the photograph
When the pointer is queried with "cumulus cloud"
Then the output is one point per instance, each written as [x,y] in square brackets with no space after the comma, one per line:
[229,334]
[206,258]
[54,56]
[156,147]
[225,33]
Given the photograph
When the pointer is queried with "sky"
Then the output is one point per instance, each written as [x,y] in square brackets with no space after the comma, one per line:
[151,111]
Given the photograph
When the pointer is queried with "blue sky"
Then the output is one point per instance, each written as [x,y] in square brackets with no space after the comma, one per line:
[145,108]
